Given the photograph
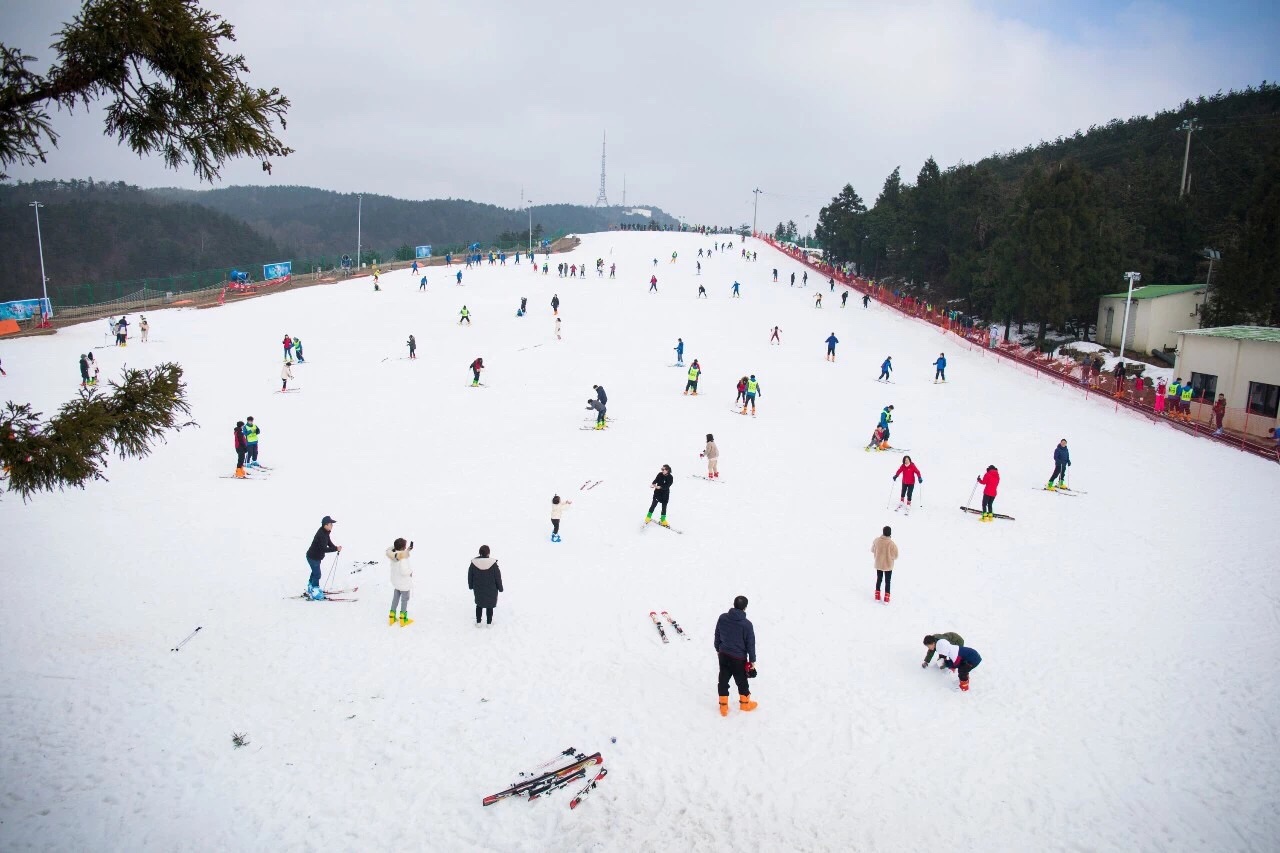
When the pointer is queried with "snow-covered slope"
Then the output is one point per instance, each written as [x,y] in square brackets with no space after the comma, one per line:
[1125,700]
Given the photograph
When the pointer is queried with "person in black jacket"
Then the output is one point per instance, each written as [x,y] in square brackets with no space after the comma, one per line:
[735,644]
[555,304]
[484,579]
[661,486]
[321,544]
[600,395]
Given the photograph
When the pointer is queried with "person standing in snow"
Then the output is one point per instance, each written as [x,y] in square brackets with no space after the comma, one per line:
[484,579]
[775,274]
[702,292]
[844,298]
[464,316]
[712,454]
[940,368]
[990,483]
[775,336]
[735,645]
[288,347]
[242,447]
[885,551]
[886,418]
[600,412]
[793,279]
[886,368]
[962,659]
[145,328]
[1119,375]
[736,294]
[401,581]
[422,284]
[679,352]
[321,544]
[84,370]
[459,283]
[1061,461]
[866,297]
[691,386]
[297,350]
[476,367]
[753,391]
[817,299]
[930,640]
[412,344]
[742,391]
[1219,412]
[832,340]
[286,373]
[555,305]
[653,284]
[558,506]
[910,476]
[661,486]
[251,433]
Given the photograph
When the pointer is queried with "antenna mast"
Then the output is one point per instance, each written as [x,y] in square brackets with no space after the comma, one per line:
[602,200]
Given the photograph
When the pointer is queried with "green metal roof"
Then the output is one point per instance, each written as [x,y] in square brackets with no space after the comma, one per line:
[1239,333]
[1152,291]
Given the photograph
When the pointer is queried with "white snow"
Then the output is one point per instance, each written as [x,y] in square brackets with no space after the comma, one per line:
[1126,699]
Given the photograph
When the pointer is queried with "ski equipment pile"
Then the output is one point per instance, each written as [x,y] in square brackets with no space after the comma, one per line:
[653,614]
[674,624]
[539,783]
[178,647]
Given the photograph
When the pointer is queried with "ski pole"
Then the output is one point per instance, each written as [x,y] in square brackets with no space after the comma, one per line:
[184,642]
[971,494]
[920,503]
[889,500]
[328,582]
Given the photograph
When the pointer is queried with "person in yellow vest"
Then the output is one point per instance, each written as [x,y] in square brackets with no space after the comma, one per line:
[753,391]
[1185,408]
[251,432]
[691,387]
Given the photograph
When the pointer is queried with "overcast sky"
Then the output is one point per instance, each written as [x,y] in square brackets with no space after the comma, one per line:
[702,101]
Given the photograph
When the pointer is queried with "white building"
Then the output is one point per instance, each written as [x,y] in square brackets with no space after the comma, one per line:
[1155,315]
[1242,362]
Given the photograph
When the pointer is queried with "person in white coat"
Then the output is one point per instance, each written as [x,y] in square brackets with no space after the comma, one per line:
[558,506]
[401,581]
[286,373]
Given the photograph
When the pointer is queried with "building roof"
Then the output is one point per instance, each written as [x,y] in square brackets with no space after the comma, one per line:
[1239,333]
[1155,291]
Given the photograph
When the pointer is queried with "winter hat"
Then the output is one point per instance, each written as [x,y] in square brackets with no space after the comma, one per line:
[328,519]
[555,499]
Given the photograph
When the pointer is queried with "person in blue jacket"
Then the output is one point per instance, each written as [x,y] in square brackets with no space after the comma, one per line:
[941,371]
[1061,461]
[735,645]
[962,659]
[831,347]
[885,369]
[459,276]
[680,352]
[736,294]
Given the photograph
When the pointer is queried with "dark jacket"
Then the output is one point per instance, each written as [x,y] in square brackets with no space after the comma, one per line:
[663,482]
[84,367]
[603,397]
[1061,456]
[321,544]
[950,637]
[555,302]
[597,405]
[241,444]
[484,578]
[735,635]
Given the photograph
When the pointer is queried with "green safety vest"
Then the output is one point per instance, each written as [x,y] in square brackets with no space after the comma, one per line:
[693,374]
[752,385]
[465,313]
[251,434]
[1175,389]
[1186,394]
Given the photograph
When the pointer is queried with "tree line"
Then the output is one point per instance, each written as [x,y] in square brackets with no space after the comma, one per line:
[1037,235]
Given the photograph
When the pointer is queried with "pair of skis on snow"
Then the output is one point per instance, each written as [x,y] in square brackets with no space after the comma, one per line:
[588,485]
[653,614]
[542,780]
[329,595]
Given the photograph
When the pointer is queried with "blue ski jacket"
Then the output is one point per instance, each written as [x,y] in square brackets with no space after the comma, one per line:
[736,636]
[1061,455]
[832,341]
[941,363]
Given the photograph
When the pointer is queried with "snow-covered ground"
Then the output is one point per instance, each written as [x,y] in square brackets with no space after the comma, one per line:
[1126,699]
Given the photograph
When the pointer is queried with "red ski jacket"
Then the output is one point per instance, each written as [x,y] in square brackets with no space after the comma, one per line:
[910,473]
[989,482]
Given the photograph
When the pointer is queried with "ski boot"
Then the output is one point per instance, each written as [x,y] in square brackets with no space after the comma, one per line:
[391,618]
[886,598]
[877,595]
[1050,487]
[745,703]
[964,687]
[648,518]
[240,475]
[724,706]
[404,619]
[663,521]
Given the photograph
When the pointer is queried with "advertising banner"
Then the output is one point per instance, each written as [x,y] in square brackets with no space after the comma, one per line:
[422,252]
[24,309]
[280,270]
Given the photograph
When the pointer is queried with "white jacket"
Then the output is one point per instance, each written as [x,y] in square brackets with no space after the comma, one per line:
[401,573]
[947,648]
[286,372]
[557,510]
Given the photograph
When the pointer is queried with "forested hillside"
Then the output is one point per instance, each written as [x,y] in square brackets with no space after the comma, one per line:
[1038,234]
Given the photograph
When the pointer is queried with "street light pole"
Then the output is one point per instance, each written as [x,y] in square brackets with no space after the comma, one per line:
[44,280]
[359,224]
[1124,329]
[528,206]
[755,208]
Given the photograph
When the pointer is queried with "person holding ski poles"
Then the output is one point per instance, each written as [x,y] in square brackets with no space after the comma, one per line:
[990,483]
[321,544]
[910,476]
[679,352]
[1061,462]
[661,486]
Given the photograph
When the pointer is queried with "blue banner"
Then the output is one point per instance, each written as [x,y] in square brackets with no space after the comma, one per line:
[280,270]
[422,252]
[24,309]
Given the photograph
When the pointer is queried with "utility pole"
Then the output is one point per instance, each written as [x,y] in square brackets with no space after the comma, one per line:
[1189,125]
[755,207]
[529,208]
[44,280]
[359,224]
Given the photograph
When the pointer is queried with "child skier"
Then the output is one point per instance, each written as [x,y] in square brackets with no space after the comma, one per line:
[962,659]
[661,486]
[653,284]
[401,581]
[1061,461]
[930,640]
[817,299]
[878,436]
[555,305]
[412,344]
[990,483]
[885,551]
[885,369]
[476,367]
[558,506]
[910,476]
[940,372]
[145,327]
[775,336]
[712,454]
[702,292]
[832,340]
[742,391]
[464,316]
[286,373]
[242,448]
[691,386]
[288,347]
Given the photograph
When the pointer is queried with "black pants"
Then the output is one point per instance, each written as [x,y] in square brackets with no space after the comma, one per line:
[1059,471]
[964,668]
[988,503]
[251,454]
[659,498]
[239,458]
[488,614]
[475,375]
[555,525]
[907,490]
[737,669]
[940,373]
[887,577]
[884,374]
[691,385]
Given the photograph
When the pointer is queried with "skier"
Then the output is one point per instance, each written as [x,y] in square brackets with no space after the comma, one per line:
[476,367]
[484,579]
[736,294]
[412,343]
[775,336]
[930,639]
[401,581]
[885,369]
[817,299]
[288,347]
[694,372]
[555,304]
[844,298]
[753,391]
[422,283]
[286,373]
[84,371]
[459,276]
[321,544]
[524,301]
[653,284]
[297,350]
[831,281]
[832,340]
[558,506]
[735,645]
[376,288]
[241,449]
[613,270]
[962,659]
[464,316]
[775,274]
[940,372]
[1061,461]
[886,552]
[712,454]
[661,486]
[251,433]
[742,391]
[910,476]
[145,328]
[673,257]
[599,406]
[679,352]
[702,292]
[886,418]
[122,332]
[699,268]
[414,271]
[793,279]
[805,281]
[990,482]
[1119,374]
[878,437]
[866,297]
[600,394]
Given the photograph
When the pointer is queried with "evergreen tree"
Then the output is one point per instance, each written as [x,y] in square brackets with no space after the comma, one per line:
[1247,290]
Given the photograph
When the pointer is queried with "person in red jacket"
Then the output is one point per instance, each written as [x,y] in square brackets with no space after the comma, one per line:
[1220,412]
[910,476]
[288,347]
[990,482]
[242,446]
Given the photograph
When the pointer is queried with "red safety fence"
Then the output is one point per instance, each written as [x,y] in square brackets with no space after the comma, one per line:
[1197,418]
[251,286]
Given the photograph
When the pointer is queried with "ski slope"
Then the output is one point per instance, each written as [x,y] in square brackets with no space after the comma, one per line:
[1125,700]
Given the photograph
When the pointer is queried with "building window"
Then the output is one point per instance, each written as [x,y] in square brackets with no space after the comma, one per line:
[1204,386]
[1264,399]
